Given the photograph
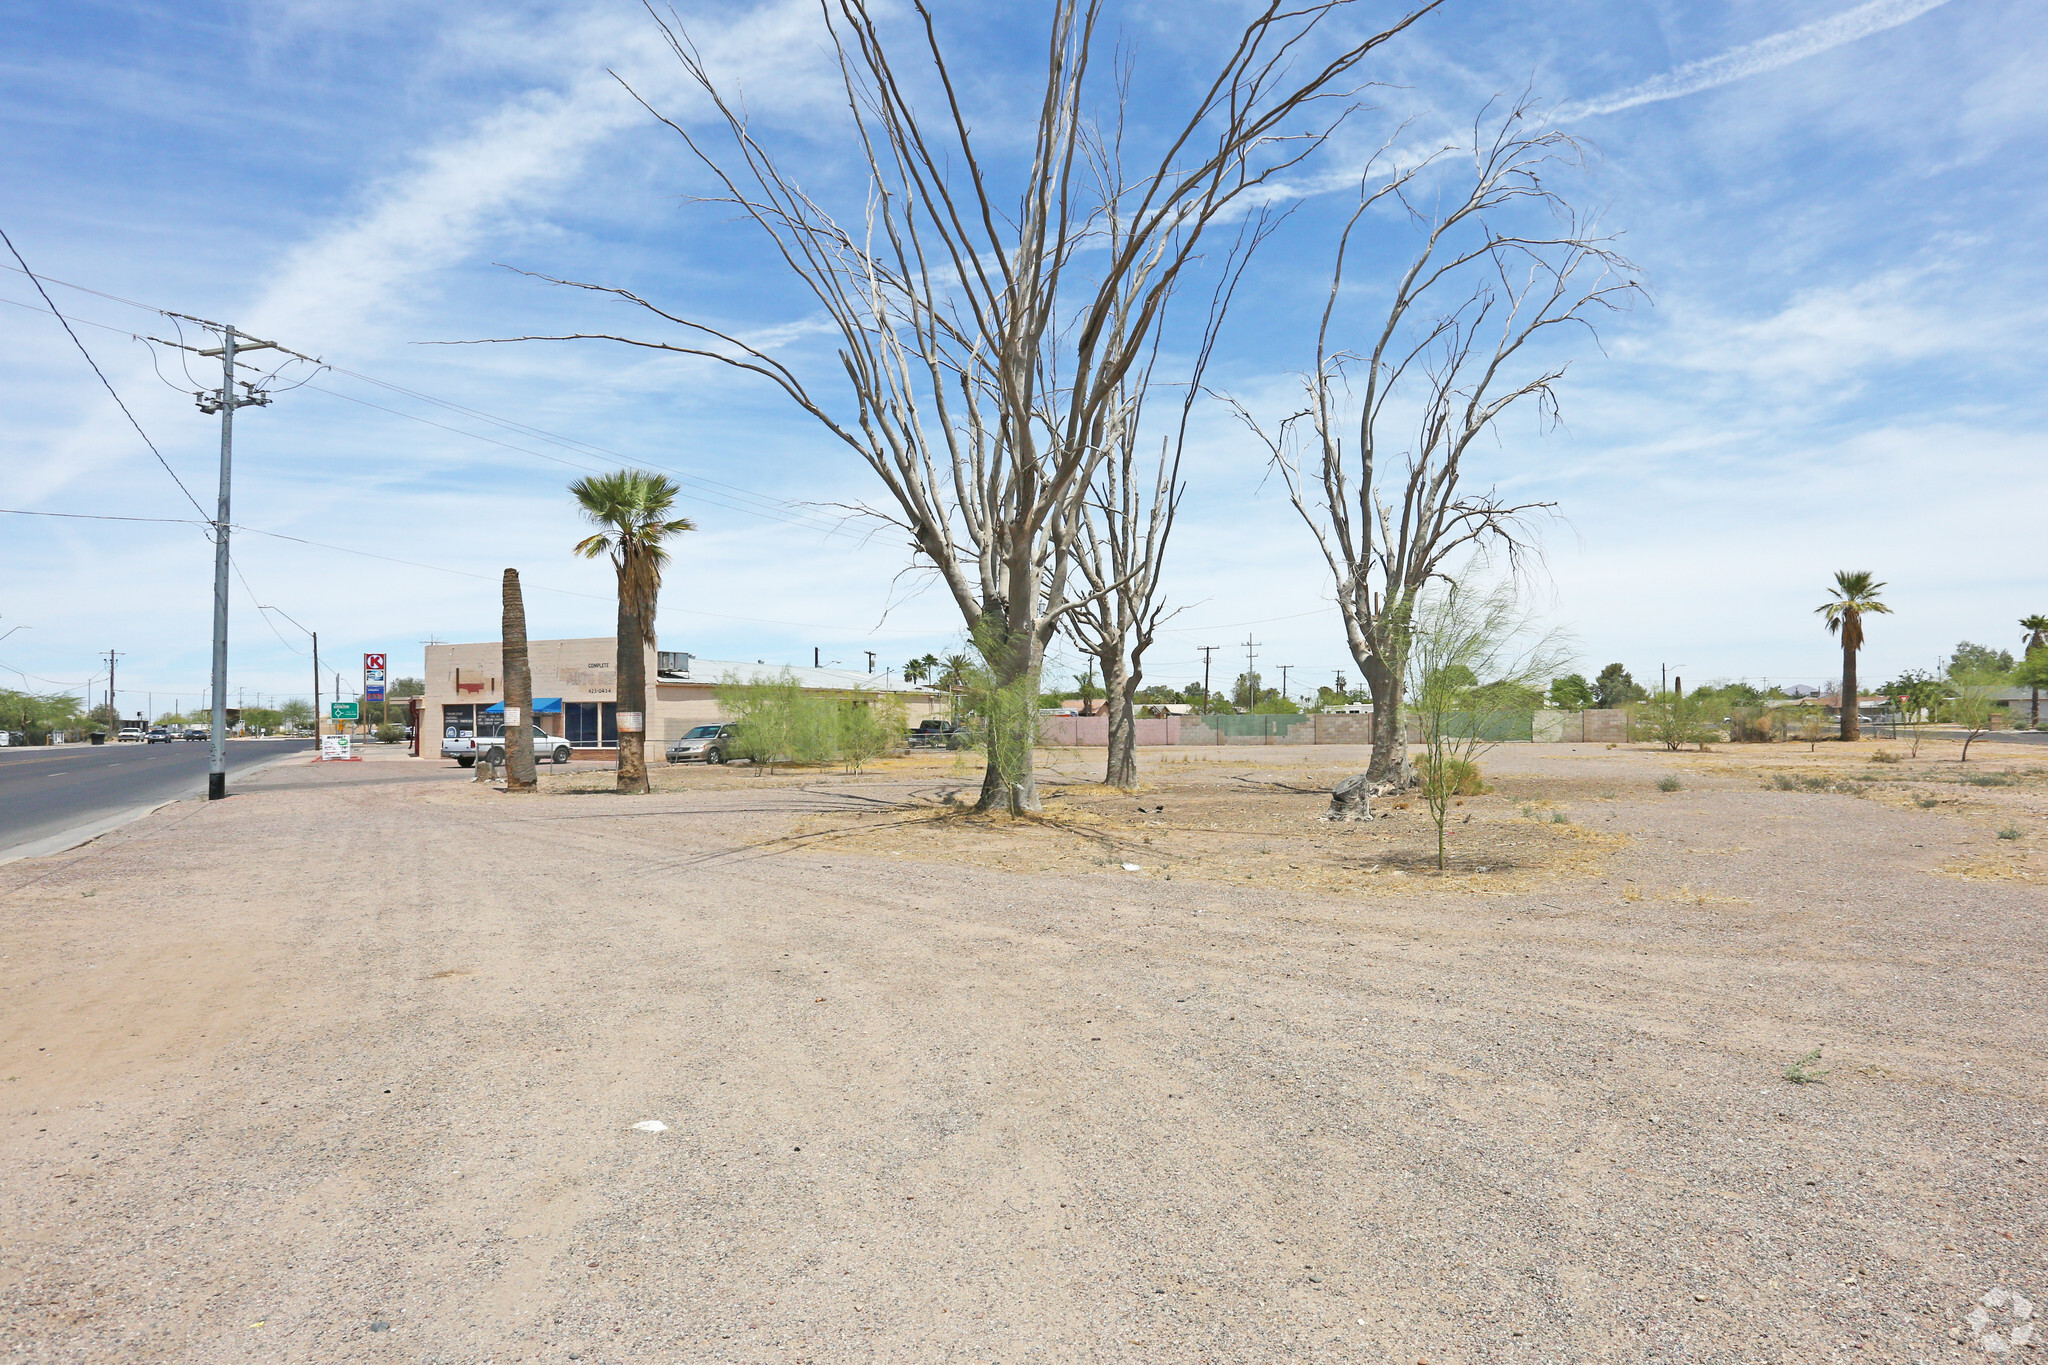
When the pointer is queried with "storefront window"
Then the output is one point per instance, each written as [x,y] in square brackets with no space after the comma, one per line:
[591,724]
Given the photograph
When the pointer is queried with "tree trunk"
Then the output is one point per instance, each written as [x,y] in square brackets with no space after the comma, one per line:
[1117,684]
[1011,714]
[519,770]
[632,705]
[1852,728]
[1389,726]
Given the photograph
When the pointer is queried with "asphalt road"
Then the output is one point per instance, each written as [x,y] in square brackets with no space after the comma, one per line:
[46,791]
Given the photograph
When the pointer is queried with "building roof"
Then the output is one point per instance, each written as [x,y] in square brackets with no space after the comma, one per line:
[709,672]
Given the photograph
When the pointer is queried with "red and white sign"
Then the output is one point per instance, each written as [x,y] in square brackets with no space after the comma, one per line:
[373,661]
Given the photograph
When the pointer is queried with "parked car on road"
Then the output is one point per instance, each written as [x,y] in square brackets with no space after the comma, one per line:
[702,744]
[130,734]
[939,734]
[546,747]
[460,744]
[193,732]
[161,736]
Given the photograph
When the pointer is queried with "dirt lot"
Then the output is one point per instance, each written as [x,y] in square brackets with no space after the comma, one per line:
[349,1067]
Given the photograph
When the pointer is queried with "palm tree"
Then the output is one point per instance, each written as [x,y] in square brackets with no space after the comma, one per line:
[2036,658]
[1854,595]
[917,670]
[631,511]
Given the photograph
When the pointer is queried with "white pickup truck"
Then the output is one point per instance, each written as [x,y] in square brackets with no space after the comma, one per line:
[460,744]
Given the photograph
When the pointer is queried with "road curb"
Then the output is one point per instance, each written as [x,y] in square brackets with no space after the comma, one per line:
[65,840]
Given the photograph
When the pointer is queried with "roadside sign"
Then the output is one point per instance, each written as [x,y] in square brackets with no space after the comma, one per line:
[344,710]
[375,661]
[373,684]
[334,746]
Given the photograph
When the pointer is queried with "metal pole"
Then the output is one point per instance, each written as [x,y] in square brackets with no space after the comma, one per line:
[217,767]
[316,691]
[113,715]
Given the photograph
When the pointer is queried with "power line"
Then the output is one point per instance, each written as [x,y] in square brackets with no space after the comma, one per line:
[442,568]
[65,323]
[801,518]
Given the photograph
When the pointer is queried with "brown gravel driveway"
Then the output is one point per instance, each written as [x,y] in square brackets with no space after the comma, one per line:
[349,1068]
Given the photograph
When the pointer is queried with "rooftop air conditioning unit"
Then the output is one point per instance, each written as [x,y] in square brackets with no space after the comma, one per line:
[673,661]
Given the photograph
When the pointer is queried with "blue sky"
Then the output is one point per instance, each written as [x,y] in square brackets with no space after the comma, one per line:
[1835,208]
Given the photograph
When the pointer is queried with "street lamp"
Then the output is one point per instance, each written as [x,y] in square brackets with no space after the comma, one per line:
[316,669]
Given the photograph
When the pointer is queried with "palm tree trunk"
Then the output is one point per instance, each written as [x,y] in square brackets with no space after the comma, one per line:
[632,673]
[1852,727]
[519,770]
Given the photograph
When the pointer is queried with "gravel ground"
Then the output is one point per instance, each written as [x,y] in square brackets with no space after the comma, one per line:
[349,1067]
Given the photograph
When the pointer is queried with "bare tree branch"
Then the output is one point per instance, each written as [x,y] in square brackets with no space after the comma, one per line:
[984,374]
[1451,355]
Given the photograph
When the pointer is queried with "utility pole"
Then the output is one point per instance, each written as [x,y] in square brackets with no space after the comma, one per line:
[871,661]
[816,655]
[1283,678]
[1342,697]
[113,715]
[1251,677]
[1207,696]
[224,401]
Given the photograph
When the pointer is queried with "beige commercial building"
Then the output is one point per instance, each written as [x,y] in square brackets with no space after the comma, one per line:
[575,691]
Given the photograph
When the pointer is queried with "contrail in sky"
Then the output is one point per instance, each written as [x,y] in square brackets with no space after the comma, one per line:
[1766,54]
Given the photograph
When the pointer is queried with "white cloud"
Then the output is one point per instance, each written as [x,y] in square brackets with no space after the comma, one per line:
[1753,59]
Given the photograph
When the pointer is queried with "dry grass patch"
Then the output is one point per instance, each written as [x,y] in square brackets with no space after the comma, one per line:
[1237,830]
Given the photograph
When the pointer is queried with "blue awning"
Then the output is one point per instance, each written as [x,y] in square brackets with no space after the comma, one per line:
[542,706]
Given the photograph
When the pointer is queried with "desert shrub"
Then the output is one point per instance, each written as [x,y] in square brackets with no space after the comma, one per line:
[1669,784]
[1991,780]
[870,726]
[2009,832]
[390,734]
[1784,782]
[1671,720]
[779,721]
[1453,777]
[1754,725]
[1558,817]
[1884,756]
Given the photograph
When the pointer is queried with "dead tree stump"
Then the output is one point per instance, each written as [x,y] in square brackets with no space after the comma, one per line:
[1351,799]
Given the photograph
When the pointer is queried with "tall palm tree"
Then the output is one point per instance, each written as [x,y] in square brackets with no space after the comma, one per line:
[2036,627]
[631,511]
[1854,596]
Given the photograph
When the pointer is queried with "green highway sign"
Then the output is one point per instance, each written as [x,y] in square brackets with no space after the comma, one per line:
[344,710]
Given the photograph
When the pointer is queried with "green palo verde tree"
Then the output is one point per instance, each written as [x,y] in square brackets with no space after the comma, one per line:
[632,510]
[1854,596]
[2033,669]
[1973,708]
[1459,635]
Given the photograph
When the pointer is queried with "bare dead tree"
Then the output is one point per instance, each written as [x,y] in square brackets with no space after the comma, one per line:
[982,338]
[1126,521]
[1462,342]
